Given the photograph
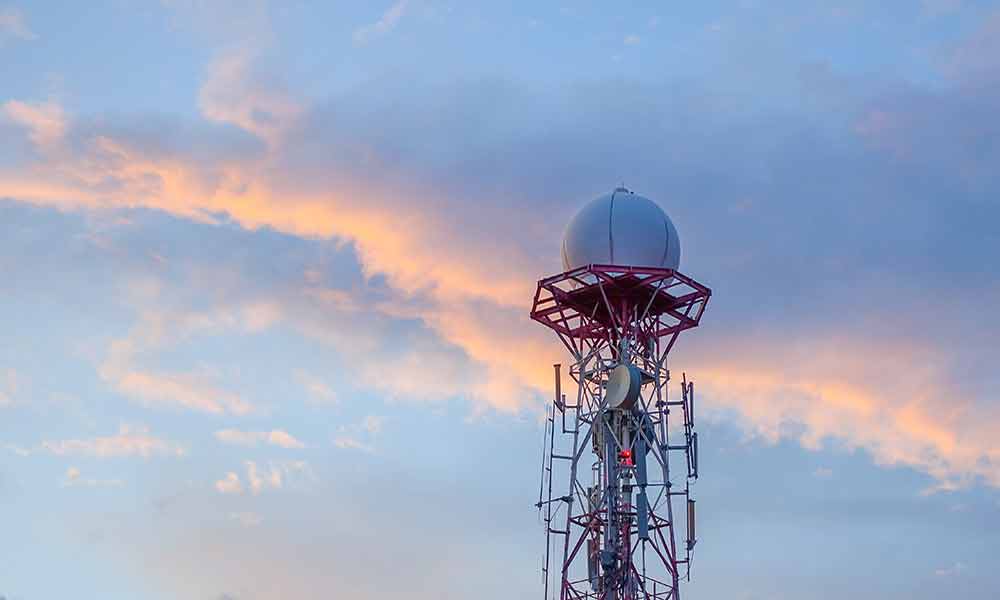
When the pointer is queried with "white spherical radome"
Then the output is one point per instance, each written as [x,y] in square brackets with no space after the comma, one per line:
[621,228]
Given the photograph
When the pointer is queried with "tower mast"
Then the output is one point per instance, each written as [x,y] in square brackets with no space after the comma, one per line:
[612,532]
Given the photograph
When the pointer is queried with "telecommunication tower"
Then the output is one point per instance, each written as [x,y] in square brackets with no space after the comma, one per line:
[618,512]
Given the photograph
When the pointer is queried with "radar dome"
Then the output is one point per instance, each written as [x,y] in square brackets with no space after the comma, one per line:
[621,228]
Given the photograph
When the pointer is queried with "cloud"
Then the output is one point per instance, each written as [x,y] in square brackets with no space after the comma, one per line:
[346,442]
[948,131]
[386,23]
[230,484]
[317,389]
[260,480]
[189,390]
[184,390]
[453,236]
[8,386]
[45,122]
[797,389]
[236,92]
[74,479]
[276,437]
[72,474]
[387,247]
[131,440]
[12,24]
[372,424]
[955,569]
[360,436]
[274,475]
[632,39]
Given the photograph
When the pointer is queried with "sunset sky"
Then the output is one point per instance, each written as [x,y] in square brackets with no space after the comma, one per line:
[266,268]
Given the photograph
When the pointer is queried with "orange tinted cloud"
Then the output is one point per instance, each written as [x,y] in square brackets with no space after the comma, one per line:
[894,399]
[475,296]
[45,122]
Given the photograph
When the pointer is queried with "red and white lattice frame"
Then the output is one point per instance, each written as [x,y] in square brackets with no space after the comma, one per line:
[604,302]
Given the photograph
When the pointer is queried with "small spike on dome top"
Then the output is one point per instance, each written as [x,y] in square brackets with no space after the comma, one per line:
[622,188]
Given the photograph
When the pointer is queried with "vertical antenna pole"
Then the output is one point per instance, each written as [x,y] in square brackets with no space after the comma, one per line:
[558,400]
[548,505]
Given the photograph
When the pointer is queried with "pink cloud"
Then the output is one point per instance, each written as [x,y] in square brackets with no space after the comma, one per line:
[45,122]
[892,398]
[232,93]
[276,437]
[230,484]
[129,441]
[189,390]
[471,293]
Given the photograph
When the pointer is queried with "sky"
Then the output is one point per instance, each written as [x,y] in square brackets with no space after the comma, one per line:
[266,268]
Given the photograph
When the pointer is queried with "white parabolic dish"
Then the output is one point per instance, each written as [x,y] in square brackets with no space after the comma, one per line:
[621,228]
[624,382]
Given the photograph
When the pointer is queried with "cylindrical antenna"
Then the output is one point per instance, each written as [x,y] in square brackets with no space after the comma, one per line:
[559,396]
[692,538]
[694,454]
[691,396]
